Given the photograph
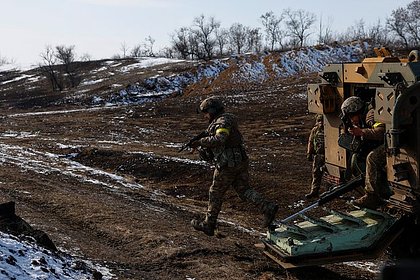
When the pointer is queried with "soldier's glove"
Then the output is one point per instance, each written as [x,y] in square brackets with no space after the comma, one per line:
[310,157]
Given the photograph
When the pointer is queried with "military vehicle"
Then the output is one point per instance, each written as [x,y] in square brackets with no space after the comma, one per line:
[329,235]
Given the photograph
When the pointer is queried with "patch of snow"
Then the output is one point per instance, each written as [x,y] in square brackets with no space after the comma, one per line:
[46,163]
[367,266]
[34,79]
[53,112]
[64,146]
[297,204]
[23,76]
[24,260]
[91,82]
[18,134]
[144,62]
[99,70]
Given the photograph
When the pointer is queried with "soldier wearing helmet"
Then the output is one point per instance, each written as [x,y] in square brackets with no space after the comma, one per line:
[316,154]
[213,106]
[372,151]
[231,162]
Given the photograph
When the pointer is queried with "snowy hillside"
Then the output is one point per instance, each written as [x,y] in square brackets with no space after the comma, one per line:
[118,82]
[24,260]
[247,68]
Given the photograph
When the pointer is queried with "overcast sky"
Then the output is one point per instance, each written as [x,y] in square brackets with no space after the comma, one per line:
[100,27]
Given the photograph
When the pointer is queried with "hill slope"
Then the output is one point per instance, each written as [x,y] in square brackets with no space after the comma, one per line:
[97,168]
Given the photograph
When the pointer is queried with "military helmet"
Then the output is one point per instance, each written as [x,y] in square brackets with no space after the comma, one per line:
[212,105]
[352,105]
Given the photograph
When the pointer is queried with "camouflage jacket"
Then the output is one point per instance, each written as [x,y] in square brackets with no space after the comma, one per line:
[225,141]
[373,134]
[316,140]
[373,130]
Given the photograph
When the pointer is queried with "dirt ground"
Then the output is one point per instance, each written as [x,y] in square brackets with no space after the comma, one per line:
[108,183]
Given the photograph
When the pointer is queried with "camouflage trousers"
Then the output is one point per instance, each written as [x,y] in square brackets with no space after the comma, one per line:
[376,181]
[238,178]
[317,171]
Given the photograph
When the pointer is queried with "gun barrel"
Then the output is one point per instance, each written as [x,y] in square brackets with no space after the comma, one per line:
[195,138]
[341,189]
[327,197]
[312,206]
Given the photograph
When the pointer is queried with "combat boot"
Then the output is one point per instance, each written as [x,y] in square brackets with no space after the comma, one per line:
[369,200]
[270,214]
[312,194]
[203,226]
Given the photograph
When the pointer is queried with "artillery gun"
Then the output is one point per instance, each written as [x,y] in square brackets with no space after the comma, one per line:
[393,84]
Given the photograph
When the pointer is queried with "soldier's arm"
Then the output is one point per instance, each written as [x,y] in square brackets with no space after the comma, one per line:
[375,133]
[216,140]
[376,130]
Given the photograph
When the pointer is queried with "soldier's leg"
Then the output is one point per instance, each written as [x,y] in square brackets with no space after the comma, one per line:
[245,192]
[221,181]
[375,166]
[317,172]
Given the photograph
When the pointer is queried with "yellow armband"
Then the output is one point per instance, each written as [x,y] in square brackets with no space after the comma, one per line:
[222,130]
[377,124]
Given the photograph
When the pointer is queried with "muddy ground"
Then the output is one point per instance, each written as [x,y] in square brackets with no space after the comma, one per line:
[109,184]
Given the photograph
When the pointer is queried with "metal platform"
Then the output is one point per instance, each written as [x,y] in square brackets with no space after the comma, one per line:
[359,234]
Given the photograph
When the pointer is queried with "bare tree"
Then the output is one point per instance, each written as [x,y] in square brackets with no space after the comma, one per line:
[413,21]
[66,56]
[196,50]
[136,51]
[396,23]
[124,49]
[149,45]
[359,30]
[377,33]
[3,60]
[222,39]
[47,68]
[237,37]
[85,57]
[181,42]
[205,34]
[355,32]
[254,38]
[299,22]
[325,35]
[167,52]
[272,28]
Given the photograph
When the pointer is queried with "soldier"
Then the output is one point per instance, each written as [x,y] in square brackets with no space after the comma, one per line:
[372,149]
[316,154]
[225,143]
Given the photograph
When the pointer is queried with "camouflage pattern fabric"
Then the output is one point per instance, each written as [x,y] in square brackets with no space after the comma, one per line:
[316,147]
[238,178]
[376,181]
[225,141]
[317,171]
[352,104]
[316,140]
[232,164]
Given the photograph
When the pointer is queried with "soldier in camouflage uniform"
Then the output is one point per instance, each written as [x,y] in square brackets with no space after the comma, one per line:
[316,154]
[373,149]
[225,145]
